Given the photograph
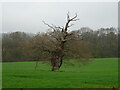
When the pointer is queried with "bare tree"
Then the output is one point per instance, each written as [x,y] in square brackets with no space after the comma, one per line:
[56,44]
[60,34]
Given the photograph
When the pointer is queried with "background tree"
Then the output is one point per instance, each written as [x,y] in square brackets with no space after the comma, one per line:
[11,46]
[103,42]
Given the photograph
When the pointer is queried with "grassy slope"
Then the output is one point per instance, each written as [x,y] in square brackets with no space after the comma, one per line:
[99,73]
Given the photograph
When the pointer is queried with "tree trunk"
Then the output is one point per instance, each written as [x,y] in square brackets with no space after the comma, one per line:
[57,57]
[55,66]
[56,63]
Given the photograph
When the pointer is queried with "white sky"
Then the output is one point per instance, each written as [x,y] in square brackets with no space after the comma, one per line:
[28,16]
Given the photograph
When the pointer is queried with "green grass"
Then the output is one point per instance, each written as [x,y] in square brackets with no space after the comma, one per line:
[100,73]
[0,76]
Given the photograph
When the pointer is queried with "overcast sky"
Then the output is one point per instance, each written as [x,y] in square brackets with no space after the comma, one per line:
[28,16]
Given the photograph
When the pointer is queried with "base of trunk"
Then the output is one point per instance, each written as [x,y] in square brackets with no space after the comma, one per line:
[55,69]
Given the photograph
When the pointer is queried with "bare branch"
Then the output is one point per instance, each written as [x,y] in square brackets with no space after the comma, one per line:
[59,27]
[69,20]
[70,25]
[73,18]
[68,17]
[54,35]
[48,25]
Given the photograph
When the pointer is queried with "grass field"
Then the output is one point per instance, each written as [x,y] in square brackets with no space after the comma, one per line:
[100,73]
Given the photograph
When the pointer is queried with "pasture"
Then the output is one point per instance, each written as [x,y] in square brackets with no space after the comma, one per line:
[100,73]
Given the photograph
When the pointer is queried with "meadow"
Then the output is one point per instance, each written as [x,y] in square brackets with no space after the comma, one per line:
[100,73]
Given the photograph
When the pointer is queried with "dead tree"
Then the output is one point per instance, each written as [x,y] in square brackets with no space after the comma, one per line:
[61,39]
[57,44]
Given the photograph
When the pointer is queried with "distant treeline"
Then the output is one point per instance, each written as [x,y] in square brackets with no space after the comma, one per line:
[103,43]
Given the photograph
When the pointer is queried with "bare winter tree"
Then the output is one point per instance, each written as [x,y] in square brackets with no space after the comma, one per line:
[57,43]
[62,34]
